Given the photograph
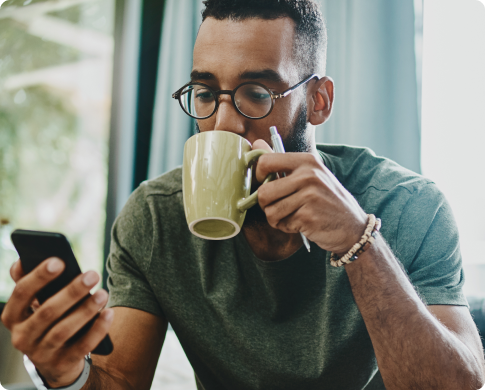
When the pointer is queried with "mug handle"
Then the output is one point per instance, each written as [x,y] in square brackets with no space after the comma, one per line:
[251,200]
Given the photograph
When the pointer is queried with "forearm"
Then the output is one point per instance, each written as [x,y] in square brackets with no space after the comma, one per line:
[99,379]
[413,349]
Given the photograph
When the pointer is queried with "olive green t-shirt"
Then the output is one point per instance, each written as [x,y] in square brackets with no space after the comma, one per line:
[292,324]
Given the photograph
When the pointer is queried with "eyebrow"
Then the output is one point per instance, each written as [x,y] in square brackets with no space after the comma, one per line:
[266,74]
[196,75]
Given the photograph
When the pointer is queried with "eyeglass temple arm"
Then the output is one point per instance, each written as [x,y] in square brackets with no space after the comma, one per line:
[290,90]
[178,92]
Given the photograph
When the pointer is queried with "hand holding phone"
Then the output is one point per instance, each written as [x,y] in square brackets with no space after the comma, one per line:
[68,324]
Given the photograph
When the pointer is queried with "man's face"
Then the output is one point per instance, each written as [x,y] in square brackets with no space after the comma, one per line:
[228,53]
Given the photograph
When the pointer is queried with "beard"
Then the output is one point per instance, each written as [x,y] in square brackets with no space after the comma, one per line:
[296,142]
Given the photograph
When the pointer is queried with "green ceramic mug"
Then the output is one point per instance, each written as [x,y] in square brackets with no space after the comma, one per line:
[216,183]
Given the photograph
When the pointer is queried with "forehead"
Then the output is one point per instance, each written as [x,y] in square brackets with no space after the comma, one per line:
[226,48]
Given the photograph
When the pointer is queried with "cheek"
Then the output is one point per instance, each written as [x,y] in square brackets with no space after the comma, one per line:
[285,113]
[207,124]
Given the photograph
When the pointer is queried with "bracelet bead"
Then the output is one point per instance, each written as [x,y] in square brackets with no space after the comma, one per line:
[367,239]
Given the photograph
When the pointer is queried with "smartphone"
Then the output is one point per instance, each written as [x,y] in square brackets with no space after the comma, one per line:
[33,248]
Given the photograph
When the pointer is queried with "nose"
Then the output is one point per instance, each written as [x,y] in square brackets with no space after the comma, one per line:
[228,118]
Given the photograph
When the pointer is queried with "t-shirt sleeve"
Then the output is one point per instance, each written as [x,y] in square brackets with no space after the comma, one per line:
[129,258]
[428,246]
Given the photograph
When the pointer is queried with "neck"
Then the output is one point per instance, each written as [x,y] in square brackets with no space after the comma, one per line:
[271,244]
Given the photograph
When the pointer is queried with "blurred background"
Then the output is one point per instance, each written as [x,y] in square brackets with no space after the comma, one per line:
[86,114]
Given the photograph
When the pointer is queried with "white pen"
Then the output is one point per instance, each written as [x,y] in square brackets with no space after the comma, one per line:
[279,148]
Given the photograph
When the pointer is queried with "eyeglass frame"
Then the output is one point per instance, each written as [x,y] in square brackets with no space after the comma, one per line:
[178,94]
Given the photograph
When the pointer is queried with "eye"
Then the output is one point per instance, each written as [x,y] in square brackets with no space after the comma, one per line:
[257,95]
[204,95]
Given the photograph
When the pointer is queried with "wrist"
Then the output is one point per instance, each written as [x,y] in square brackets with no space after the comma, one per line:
[353,235]
[64,380]
[360,247]
[75,383]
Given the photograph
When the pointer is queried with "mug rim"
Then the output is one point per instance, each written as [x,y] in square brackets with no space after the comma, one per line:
[193,223]
[222,131]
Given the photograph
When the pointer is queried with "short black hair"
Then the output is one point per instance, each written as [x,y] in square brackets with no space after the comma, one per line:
[310,46]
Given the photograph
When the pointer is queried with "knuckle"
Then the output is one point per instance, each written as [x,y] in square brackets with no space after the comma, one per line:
[57,337]
[312,160]
[305,218]
[263,195]
[272,220]
[310,196]
[313,197]
[18,340]
[5,319]
[46,313]
[77,290]
[22,291]
[263,164]
[86,345]
[313,177]
[42,273]
[90,309]
[48,344]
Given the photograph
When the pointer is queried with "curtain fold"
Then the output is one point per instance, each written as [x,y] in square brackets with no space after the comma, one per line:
[171,126]
[371,57]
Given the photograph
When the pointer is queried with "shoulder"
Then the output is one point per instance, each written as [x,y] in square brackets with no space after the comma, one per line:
[152,197]
[406,201]
[167,184]
[360,170]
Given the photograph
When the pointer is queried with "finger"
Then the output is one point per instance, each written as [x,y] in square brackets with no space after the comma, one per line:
[261,144]
[284,208]
[52,310]
[16,271]
[277,190]
[69,326]
[297,221]
[288,162]
[27,287]
[96,334]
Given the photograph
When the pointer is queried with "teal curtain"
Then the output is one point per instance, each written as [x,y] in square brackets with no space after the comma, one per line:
[171,126]
[371,57]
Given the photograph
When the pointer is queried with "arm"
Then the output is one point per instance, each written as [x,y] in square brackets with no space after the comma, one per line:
[138,338]
[43,335]
[435,347]
[413,348]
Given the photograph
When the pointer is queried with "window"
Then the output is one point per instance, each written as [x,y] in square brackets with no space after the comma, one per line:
[56,62]
[453,125]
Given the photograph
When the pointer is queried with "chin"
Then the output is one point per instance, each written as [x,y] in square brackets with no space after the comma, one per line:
[255,218]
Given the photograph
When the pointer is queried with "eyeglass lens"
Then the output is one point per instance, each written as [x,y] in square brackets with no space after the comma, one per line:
[251,100]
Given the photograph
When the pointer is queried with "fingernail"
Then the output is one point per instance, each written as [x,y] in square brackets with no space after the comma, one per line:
[108,314]
[99,297]
[90,278]
[54,265]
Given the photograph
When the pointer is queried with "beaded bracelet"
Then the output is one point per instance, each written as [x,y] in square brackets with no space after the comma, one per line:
[373,226]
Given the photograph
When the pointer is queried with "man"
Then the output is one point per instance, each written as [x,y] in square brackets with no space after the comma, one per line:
[258,311]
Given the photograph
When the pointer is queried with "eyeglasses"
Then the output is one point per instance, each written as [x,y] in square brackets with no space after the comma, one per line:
[252,100]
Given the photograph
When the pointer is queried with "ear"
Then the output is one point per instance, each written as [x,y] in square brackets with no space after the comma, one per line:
[320,101]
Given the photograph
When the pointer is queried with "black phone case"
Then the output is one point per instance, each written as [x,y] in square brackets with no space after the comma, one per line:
[33,248]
